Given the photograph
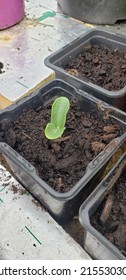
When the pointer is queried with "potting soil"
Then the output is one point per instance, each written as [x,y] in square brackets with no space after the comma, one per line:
[100,65]
[114,228]
[60,163]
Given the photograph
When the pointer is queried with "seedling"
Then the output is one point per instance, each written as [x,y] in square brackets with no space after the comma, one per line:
[59,110]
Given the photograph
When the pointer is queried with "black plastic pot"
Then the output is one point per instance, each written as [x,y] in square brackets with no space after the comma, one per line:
[95,243]
[94,11]
[62,206]
[57,60]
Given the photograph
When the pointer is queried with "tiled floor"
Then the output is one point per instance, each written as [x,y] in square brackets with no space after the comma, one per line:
[27,231]
[24,47]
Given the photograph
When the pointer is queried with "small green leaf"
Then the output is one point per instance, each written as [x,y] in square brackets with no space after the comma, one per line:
[52,132]
[59,112]
[60,108]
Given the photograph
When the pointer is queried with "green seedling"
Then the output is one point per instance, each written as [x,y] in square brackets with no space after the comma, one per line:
[59,110]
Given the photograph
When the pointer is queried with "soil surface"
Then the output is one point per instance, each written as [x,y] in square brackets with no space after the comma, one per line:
[61,164]
[101,66]
[110,217]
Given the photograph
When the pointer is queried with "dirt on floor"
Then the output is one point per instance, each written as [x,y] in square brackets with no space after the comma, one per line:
[1,68]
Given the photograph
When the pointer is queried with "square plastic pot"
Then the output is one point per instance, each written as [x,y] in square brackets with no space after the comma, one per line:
[57,60]
[62,206]
[95,243]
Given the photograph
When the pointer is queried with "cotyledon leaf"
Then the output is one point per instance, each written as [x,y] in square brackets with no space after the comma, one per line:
[59,111]
[52,132]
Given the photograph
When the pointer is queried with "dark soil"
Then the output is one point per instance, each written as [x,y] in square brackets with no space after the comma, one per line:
[113,227]
[101,66]
[61,164]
